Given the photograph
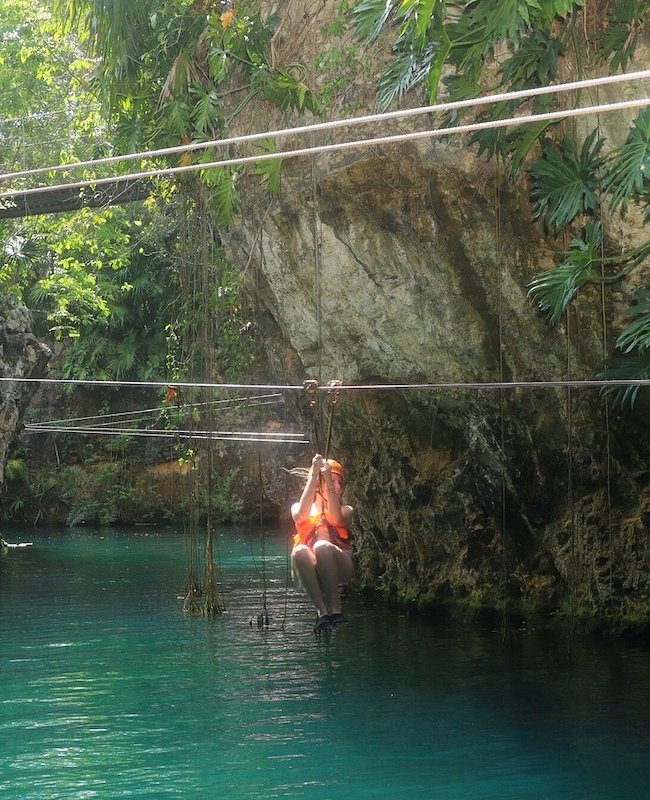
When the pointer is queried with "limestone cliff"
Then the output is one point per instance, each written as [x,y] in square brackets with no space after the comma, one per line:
[410,264]
[21,356]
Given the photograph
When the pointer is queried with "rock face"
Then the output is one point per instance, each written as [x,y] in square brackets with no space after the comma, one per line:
[21,356]
[410,265]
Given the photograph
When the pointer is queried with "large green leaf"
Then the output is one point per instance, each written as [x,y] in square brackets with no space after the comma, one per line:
[505,19]
[554,290]
[636,335]
[270,170]
[225,195]
[628,172]
[206,114]
[626,368]
[552,9]
[370,16]
[618,38]
[565,182]
[534,62]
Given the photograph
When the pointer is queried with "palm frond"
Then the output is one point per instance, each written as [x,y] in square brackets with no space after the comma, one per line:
[629,169]
[409,68]
[554,290]
[626,368]
[507,19]
[18,248]
[636,336]
[123,357]
[370,16]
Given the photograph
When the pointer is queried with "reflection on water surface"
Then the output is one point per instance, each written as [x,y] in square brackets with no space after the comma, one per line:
[109,691]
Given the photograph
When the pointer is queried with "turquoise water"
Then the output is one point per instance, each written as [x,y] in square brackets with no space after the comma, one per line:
[108,691]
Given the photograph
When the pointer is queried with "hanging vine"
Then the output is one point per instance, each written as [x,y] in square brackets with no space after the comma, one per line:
[482,47]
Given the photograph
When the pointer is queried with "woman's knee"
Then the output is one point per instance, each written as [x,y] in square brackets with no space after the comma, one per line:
[301,554]
[324,549]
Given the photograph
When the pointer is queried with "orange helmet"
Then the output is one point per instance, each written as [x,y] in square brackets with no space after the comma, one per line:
[336,467]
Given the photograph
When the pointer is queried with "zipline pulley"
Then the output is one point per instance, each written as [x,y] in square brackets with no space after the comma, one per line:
[333,393]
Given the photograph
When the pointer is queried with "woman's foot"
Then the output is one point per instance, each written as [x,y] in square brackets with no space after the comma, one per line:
[323,621]
[338,619]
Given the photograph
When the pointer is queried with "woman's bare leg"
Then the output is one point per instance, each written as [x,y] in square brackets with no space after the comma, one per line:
[333,567]
[303,566]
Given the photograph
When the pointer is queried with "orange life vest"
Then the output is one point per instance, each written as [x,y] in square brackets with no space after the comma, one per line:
[306,531]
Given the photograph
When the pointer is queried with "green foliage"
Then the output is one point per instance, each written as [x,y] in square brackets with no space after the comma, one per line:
[421,47]
[16,470]
[565,181]
[555,289]
[289,91]
[618,40]
[628,172]
[219,505]
[534,62]
[41,87]
[102,283]
[507,19]
[370,17]
[269,171]
[636,335]
[164,65]
[224,194]
[628,368]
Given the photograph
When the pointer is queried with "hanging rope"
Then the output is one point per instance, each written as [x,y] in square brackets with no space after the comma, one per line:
[311,387]
[333,392]
[263,615]
[504,534]
[605,398]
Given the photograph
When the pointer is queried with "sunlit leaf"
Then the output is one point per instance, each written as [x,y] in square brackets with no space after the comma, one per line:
[554,290]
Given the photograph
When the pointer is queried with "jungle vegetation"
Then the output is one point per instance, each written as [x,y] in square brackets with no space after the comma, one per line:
[82,79]
[471,49]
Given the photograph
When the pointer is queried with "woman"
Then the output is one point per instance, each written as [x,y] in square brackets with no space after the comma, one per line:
[321,561]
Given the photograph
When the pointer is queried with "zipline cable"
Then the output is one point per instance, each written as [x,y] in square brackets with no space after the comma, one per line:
[341,123]
[586,383]
[334,147]
[175,435]
[134,416]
